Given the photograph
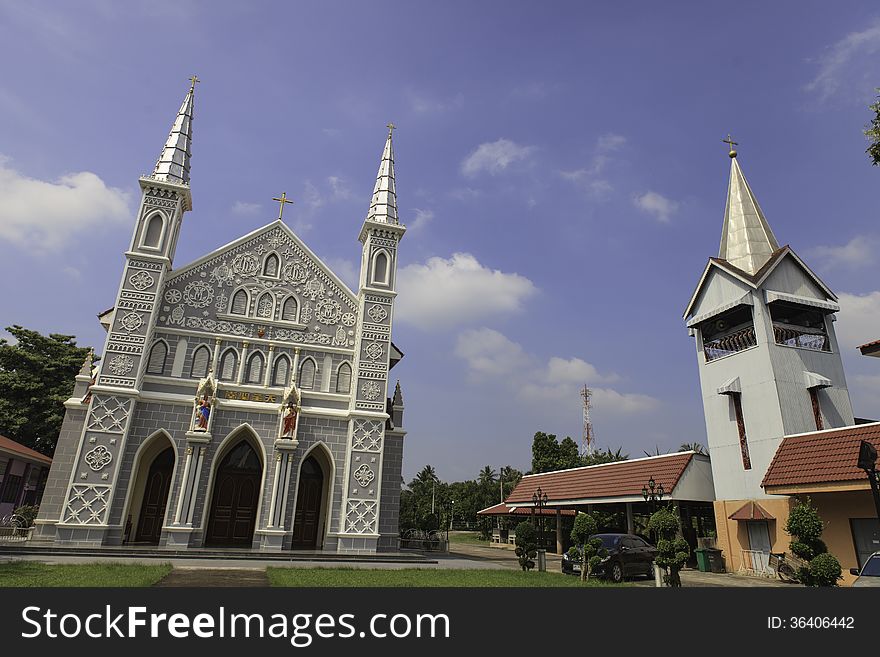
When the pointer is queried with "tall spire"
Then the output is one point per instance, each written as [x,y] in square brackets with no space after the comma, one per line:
[747,241]
[173,163]
[383,206]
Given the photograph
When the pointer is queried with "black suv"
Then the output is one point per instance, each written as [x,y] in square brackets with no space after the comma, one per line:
[628,555]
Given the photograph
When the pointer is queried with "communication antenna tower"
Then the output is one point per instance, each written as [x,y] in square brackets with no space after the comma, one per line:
[587,441]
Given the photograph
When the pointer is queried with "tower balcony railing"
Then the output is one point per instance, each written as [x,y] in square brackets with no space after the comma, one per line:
[730,343]
[792,337]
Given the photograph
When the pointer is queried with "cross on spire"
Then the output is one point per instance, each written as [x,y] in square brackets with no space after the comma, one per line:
[193,81]
[282,201]
[730,143]
[391,127]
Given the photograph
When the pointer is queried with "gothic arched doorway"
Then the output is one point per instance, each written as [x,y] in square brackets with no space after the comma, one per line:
[307,519]
[152,513]
[235,497]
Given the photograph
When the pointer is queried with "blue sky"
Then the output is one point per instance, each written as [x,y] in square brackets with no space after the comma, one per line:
[560,170]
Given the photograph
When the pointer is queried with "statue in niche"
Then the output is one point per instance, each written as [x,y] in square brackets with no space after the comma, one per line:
[290,408]
[206,395]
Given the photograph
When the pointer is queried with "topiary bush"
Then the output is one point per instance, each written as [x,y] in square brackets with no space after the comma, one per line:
[672,549]
[526,545]
[805,527]
[588,551]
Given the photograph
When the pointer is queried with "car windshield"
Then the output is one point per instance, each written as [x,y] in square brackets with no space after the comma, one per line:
[608,540]
[872,567]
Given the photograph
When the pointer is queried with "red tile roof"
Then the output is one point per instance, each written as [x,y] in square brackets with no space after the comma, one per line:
[821,457]
[620,479]
[504,510]
[751,511]
[9,445]
[869,347]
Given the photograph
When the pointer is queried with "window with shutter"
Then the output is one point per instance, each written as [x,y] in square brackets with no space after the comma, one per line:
[282,371]
[343,379]
[290,309]
[255,368]
[158,354]
[201,357]
[307,374]
[270,266]
[239,303]
[228,364]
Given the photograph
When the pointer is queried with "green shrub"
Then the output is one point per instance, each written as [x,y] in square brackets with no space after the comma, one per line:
[28,512]
[672,549]
[526,545]
[825,570]
[805,527]
[588,551]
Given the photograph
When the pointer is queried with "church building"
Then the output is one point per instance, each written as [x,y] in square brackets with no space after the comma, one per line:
[770,367]
[241,400]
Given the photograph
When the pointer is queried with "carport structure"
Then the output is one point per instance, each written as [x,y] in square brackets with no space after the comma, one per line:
[616,490]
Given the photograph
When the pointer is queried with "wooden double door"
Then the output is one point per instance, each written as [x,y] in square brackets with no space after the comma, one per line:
[307,519]
[152,514]
[234,499]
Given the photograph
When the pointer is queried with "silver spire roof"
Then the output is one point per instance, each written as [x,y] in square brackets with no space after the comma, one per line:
[383,206]
[747,242]
[173,163]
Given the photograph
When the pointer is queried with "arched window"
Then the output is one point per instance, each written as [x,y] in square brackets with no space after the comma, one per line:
[282,371]
[381,268]
[290,309]
[266,306]
[255,368]
[307,374]
[343,379]
[270,266]
[201,357]
[228,365]
[153,233]
[239,303]
[158,354]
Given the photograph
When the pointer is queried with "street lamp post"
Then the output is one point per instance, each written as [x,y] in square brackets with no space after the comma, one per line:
[539,500]
[868,463]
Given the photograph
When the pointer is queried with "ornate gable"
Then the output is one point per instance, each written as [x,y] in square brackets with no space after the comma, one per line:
[267,284]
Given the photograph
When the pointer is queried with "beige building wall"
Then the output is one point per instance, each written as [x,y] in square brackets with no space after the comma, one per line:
[733,535]
[836,509]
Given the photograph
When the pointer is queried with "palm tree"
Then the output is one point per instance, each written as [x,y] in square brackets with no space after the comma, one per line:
[656,452]
[693,447]
[487,476]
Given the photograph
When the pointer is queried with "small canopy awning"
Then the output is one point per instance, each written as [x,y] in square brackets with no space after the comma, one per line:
[505,510]
[751,511]
[813,380]
[828,306]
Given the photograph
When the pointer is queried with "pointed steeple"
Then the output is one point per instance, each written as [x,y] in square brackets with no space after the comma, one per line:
[747,241]
[173,163]
[383,206]
[397,400]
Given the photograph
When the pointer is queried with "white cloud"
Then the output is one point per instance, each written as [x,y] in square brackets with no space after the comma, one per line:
[44,216]
[656,204]
[422,219]
[346,270]
[312,196]
[858,252]
[464,193]
[835,62]
[610,142]
[424,104]
[858,321]
[491,356]
[447,292]
[338,188]
[242,208]
[494,157]
[589,178]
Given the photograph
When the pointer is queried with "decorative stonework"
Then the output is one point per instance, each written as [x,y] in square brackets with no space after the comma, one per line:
[87,504]
[328,311]
[377,313]
[132,322]
[367,436]
[173,296]
[360,517]
[109,414]
[98,458]
[375,351]
[370,390]
[364,475]
[245,264]
[141,281]
[121,364]
[348,319]
[198,294]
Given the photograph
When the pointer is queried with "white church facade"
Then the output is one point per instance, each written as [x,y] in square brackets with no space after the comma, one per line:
[241,400]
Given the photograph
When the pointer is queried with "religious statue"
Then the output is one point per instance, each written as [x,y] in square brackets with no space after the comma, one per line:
[203,412]
[203,403]
[289,411]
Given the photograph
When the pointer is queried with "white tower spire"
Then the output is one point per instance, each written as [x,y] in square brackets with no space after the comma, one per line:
[173,163]
[383,205]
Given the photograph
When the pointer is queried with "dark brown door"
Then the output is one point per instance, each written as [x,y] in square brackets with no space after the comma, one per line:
[308,506]
[234,501]
[149,527]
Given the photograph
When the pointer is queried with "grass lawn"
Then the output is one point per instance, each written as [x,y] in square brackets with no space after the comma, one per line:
[31,573]
[467,537]
[340,577]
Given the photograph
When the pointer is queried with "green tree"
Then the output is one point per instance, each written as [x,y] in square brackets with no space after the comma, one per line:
[545,452]
[604,456]
[672,549]
[36,378]
[872,132]
[526,545]
[510,477]
[587,549]
[805,527]
[693,447]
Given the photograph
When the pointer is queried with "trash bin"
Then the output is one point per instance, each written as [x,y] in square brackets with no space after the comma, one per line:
[702,560]
[716,561]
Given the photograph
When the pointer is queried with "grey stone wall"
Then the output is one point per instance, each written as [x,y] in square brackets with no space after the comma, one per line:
[62,464]
[389,507]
